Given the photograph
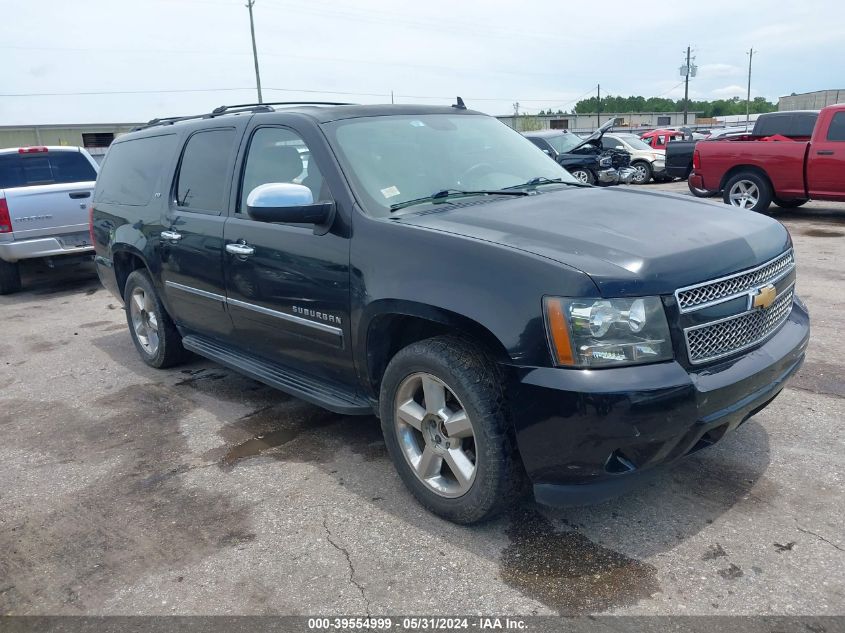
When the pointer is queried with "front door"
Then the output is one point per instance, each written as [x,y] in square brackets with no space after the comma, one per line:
[826,161]
[192,239]
[289,296]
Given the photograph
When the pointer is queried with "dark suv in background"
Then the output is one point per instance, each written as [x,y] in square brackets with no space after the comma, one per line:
[432,267]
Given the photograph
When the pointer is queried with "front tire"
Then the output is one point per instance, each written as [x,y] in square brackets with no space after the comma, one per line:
[153,332]
[448,430]
[584,175]
[642,173]
[748,190]
[10,277]
[790,204]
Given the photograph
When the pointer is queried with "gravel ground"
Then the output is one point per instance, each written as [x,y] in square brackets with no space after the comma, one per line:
[127,490]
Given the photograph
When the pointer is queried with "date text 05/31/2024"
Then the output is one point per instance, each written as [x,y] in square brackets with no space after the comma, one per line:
[415,623]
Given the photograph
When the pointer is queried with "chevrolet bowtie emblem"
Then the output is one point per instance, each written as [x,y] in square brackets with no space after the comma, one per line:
[764,298]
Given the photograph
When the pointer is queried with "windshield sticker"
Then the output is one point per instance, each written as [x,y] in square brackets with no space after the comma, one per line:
[390,192]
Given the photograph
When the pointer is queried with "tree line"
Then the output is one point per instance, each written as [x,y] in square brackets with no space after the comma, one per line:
[718,107]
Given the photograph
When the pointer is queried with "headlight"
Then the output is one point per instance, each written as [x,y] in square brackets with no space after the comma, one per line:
[607,332]
[605,161]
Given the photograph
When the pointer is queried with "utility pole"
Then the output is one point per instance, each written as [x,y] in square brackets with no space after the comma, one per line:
[686,88]
[391,97]
[254,50]
[598,106]
[748,94]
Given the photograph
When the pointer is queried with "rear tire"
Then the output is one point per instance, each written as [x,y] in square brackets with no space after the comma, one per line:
[748,190]
[153,332]
[10,277]
[584,175]
[443,411]
[790,204]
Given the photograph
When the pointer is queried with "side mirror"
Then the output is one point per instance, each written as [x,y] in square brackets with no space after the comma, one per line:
[287,203]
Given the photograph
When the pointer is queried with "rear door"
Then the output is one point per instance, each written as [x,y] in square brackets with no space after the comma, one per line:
[48,191]
[191,245]
[289,296]
[826,160]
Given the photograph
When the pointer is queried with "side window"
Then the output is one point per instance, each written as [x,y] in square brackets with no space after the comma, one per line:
[836,131]
[203,172]
[540,143]
[610,143]
[132,169]
[280,155]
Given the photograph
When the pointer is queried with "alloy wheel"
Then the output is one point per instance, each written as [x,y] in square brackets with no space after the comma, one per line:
[744,194]
[435,435]
[641,174]
[144,320]
[581,175]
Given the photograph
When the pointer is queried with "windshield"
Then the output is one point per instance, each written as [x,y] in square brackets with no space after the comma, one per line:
[634,141]
[393,159]
[564,143]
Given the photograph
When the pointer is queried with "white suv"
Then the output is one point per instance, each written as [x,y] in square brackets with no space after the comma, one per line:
[646,161]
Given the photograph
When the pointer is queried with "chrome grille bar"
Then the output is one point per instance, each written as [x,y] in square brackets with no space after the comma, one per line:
[727,288]
[736,333]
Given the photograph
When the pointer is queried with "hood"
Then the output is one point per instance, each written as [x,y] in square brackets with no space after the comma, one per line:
[629,242]
[595,136]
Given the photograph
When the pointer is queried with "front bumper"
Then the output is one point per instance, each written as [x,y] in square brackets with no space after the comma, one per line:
[626,175]
[41,247]
[609,176]
[588,435]
[658,168]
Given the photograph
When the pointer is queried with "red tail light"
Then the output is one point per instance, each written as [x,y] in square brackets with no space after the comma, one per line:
[91,222]
[5,220]
[32,150]
[696,160]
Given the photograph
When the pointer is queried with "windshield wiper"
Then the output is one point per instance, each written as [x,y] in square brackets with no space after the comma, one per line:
[542,180]
[444,194]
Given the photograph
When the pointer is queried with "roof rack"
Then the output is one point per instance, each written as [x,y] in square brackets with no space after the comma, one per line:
[233,109]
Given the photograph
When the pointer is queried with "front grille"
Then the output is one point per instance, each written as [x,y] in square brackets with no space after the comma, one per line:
[727,336]
[726,288]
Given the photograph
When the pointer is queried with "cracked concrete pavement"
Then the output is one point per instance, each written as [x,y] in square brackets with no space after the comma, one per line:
[127,490]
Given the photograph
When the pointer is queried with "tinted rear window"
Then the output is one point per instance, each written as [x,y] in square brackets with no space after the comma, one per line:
[793,124]
[204,172]
[28,170]
[132,169]
[836,131]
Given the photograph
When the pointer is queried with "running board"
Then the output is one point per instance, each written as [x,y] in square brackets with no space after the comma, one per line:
[279,377]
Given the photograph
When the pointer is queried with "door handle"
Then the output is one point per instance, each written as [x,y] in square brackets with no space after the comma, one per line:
[76,195]
[173,236]
[241,250]
[825,152]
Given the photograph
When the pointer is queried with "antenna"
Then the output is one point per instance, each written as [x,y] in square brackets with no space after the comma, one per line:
[460,104]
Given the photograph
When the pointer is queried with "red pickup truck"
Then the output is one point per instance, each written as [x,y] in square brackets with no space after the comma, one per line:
[754,171]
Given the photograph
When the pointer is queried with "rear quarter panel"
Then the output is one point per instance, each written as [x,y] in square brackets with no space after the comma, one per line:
[781,161]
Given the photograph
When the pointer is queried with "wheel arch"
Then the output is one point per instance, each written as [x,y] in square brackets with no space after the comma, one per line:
[127,259]
[392,325]
[738,169]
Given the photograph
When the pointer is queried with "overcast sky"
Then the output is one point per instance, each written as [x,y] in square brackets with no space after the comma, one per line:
[170,57]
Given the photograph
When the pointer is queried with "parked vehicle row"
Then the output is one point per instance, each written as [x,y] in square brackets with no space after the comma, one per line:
[431,266]
[45,193]
[586,158]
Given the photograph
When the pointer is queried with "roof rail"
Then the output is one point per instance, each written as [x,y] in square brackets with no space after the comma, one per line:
[232,109]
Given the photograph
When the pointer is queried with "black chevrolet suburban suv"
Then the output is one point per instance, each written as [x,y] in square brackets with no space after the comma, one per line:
[429,265]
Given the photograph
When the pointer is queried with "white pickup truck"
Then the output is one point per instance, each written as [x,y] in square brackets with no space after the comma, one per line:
[45,194]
